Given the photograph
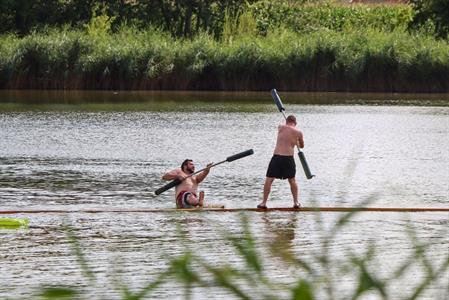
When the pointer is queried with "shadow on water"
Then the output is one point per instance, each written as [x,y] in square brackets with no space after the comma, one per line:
[13,100]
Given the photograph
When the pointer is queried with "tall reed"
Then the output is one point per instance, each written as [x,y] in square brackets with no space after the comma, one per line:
[322,60]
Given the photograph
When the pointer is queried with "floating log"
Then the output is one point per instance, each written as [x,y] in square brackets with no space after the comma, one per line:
[214,209]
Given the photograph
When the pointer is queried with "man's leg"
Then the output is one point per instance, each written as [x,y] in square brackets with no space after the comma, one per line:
[192,200]
[266,190]
[201,199]
[294,190]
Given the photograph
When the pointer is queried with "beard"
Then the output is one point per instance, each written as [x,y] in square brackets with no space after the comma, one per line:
[190,170]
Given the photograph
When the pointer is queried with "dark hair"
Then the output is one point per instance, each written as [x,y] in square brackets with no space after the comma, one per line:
[291,119]
[184,163]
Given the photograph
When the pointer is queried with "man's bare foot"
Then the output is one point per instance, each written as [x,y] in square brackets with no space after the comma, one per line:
[297,205]
[201,199]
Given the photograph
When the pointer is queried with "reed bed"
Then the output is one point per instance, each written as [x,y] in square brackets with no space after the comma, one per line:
[312,47]
[323,60]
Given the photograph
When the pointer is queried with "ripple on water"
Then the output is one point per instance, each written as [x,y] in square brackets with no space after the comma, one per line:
[75,160]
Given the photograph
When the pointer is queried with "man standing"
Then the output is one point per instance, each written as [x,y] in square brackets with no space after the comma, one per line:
[282,164]
[186,192]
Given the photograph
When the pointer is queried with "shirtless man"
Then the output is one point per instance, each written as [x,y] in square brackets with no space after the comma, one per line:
[282,164]
[186,192]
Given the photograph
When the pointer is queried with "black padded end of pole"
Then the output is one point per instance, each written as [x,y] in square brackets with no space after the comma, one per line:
[305,166]
[167,186]
[240,155]
[277,100]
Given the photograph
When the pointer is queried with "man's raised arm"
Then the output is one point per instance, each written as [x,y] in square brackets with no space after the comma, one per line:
[200,177]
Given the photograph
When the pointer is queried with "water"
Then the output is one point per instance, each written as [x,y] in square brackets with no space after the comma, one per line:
[80,155]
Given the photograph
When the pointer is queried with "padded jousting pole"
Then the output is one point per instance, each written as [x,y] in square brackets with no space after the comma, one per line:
[228,159]
[301,155]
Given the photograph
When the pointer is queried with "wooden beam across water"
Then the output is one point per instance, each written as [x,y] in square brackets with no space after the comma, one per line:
[273,209]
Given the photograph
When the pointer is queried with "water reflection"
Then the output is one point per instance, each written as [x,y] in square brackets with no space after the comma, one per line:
[11,100]
[280,231]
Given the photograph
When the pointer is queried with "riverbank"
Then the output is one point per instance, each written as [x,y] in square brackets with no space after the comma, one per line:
[206,101]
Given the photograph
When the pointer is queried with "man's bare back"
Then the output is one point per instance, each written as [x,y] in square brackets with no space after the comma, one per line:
[288,137]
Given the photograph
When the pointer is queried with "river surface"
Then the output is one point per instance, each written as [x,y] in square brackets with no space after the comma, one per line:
[69,152]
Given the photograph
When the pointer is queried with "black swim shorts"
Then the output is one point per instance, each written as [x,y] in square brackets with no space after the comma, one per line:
[281,167]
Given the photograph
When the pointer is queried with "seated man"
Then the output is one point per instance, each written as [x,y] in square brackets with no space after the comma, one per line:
[186,194]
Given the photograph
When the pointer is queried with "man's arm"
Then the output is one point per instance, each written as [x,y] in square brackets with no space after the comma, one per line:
[300,140]
[171,175]
[200,177]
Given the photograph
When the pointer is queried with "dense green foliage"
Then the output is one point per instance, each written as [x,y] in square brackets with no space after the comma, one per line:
[220,45]
[365,60]
[187,18]
[433,14]
[311,17]
[181,18]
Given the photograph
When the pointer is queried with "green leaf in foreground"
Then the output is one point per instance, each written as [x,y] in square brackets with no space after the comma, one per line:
[59,293]
[246,246]
[368,282]
[303,291]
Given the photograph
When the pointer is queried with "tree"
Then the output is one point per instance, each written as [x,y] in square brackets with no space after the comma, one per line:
[179,17]
[434,11]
